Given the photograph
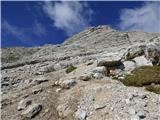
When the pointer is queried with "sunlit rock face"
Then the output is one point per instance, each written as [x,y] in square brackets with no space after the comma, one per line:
[35,84]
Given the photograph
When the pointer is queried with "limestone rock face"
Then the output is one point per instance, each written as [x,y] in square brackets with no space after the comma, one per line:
[100,53]
[151,51]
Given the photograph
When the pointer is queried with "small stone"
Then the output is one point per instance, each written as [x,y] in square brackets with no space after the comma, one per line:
[85,77]
[81,115]
[99,106]
[121,77]
[56,83]
[131,96]
[131,111]
[59,89]
[32,111]
[7,83]
[141,114]
[23,104]
[100,69]
[98,72]
[40,80]
[68,84]
[127,101]
[143,96]
[35,91]
[48,69]
[134,117]
[144,103]
[98,75]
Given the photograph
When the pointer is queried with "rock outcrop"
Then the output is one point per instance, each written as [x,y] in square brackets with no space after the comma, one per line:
[36,77]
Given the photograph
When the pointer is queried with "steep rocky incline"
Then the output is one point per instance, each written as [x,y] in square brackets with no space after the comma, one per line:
[74,80]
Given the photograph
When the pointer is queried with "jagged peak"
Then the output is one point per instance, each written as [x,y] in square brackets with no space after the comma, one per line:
[102,27]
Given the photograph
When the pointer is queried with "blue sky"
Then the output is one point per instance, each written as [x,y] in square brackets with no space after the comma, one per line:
[28,23]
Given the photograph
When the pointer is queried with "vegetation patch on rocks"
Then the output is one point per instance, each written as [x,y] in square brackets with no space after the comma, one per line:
[70,69]
[144,76]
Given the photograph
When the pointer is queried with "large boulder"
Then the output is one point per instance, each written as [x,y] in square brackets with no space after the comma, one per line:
[99,72]
[142,61]
[109,61]
[113,64]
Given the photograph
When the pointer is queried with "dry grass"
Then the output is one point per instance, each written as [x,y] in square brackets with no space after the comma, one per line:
[144,76]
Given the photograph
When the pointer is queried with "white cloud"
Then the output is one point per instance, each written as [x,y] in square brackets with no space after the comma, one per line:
[11,29]
[22,33]
[145,18]
[71,17]
[39,29]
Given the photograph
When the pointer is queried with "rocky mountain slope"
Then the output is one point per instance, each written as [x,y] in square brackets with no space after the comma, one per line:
[74,80]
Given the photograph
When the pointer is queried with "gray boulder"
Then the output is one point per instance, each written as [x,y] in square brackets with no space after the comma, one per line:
[99,72]
[80,115]
[129,66]
[141,114]
[68,84]
[85,77]
[142,61]
[109,61]
[32,111]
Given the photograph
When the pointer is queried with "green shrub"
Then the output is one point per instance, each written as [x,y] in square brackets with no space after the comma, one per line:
[143,76]
[129,56]
[70,69]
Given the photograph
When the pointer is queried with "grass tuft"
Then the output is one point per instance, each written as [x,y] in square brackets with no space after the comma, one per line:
[70,69]
[144,76]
